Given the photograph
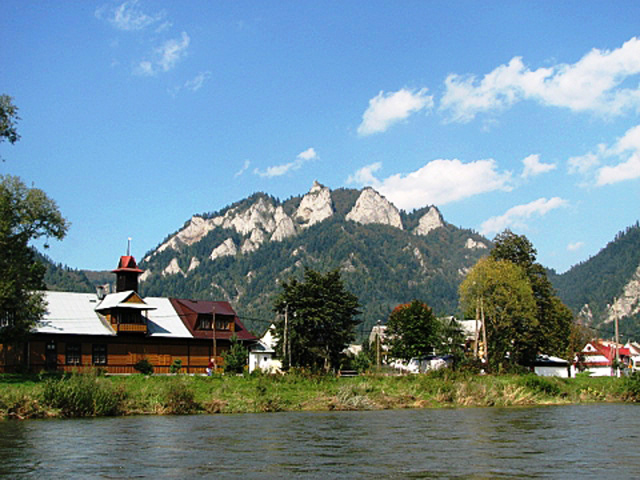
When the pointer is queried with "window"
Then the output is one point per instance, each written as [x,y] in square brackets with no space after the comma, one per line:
[223,324]
[99,354]
[204,322]
[130,317]
[51,356]
[72,354]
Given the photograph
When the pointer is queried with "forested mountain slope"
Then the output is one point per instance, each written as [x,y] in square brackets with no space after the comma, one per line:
[386,256]
[606,285]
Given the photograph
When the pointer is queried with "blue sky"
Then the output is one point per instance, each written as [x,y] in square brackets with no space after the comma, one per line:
[136,115]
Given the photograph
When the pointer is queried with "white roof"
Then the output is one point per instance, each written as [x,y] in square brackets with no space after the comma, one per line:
[164,321]
[72,313]
[119,300]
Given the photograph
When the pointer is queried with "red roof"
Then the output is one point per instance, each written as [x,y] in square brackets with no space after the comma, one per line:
[127,264]
[190,309]
[607,351]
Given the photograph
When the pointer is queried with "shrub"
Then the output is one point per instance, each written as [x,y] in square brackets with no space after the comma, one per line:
[539,384]
[83,395]
[180,399]
[176,366]
[144,366]
[631,387]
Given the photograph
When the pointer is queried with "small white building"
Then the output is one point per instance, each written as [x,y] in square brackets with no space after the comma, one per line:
[550,366]
[262,354]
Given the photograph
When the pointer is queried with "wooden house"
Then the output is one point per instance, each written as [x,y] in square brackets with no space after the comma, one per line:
[114,331]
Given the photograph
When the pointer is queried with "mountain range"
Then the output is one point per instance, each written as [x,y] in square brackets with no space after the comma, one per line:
[386,256]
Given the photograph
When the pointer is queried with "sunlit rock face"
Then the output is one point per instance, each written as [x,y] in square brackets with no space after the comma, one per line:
[225,249]
[371,207]
[628,303]
[315,206]
[471,244]
[429,222]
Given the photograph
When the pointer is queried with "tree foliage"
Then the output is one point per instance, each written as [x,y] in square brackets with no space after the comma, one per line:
[8,119]
[554,317]
[235,358]
[502,290]
[321,320]
[413,331]
[26,214]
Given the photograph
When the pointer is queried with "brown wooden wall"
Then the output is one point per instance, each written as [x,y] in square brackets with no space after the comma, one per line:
[123,352]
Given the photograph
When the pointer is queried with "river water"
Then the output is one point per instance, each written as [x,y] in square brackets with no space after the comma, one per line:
[579,441]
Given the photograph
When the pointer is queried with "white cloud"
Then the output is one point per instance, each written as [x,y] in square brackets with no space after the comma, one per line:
[625,151]
[437,183]
[172,51]
[592,84]
[244,168]
[385,109]
[165,57]
[515,216]
[533,166]
[572,247]
[128,16]
[279,170]
[197,82]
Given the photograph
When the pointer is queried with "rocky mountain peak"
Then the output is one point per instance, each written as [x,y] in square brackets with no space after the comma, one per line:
[430,221]
[315,206]
[371,207]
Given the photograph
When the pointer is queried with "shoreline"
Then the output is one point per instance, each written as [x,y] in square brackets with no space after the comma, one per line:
[92,395]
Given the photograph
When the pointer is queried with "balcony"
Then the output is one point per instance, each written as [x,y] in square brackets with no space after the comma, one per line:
[131,328]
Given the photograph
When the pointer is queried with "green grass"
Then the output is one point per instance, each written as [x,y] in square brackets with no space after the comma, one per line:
[36,396]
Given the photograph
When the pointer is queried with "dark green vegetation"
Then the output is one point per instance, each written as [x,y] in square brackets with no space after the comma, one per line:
[600,279]
[26,214]
[523,316]
[91,394]
[318,320]
[413,330]
[383,266]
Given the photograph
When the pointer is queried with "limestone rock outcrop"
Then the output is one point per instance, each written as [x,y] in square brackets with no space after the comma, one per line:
[371,207]
[315,206]
[430,221]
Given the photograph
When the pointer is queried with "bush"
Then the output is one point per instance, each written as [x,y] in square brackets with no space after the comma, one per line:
[180,399]
[631,387]
[539,384]
[176,366]
[144,366]
[83,395]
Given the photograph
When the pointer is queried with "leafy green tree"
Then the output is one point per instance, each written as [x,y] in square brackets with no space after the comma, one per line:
[554,318]
[26,214]
[503,292]
[235,358]
[413,331]
[8,119]
[320,317]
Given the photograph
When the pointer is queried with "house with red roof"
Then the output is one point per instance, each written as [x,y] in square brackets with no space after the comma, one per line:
[114,331]
[598,357]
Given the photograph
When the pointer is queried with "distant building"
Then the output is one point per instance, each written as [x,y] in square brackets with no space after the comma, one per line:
[598,358]
[114,331]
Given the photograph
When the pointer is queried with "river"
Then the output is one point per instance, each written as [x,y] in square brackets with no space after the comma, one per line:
[578,441]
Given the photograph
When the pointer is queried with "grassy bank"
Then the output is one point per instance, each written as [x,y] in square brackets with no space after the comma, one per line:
[77,395]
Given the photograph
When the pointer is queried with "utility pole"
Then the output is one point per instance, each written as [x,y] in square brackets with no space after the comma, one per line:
[484,332]
[477,332]
[378,363]
[215,345]
[615,316]
[286,327]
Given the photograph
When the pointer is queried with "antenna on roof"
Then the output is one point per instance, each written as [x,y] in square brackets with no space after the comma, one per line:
[129,247]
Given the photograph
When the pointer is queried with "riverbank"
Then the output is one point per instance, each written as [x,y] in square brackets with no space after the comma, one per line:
[81,395]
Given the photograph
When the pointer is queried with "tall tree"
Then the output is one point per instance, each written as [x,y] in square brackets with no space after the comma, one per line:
[320,320]
[413,331]
[8,119]
[554,318]
[26,214]
[501,288]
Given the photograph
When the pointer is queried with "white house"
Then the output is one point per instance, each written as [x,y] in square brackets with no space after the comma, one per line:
[550,366]
[262,354]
